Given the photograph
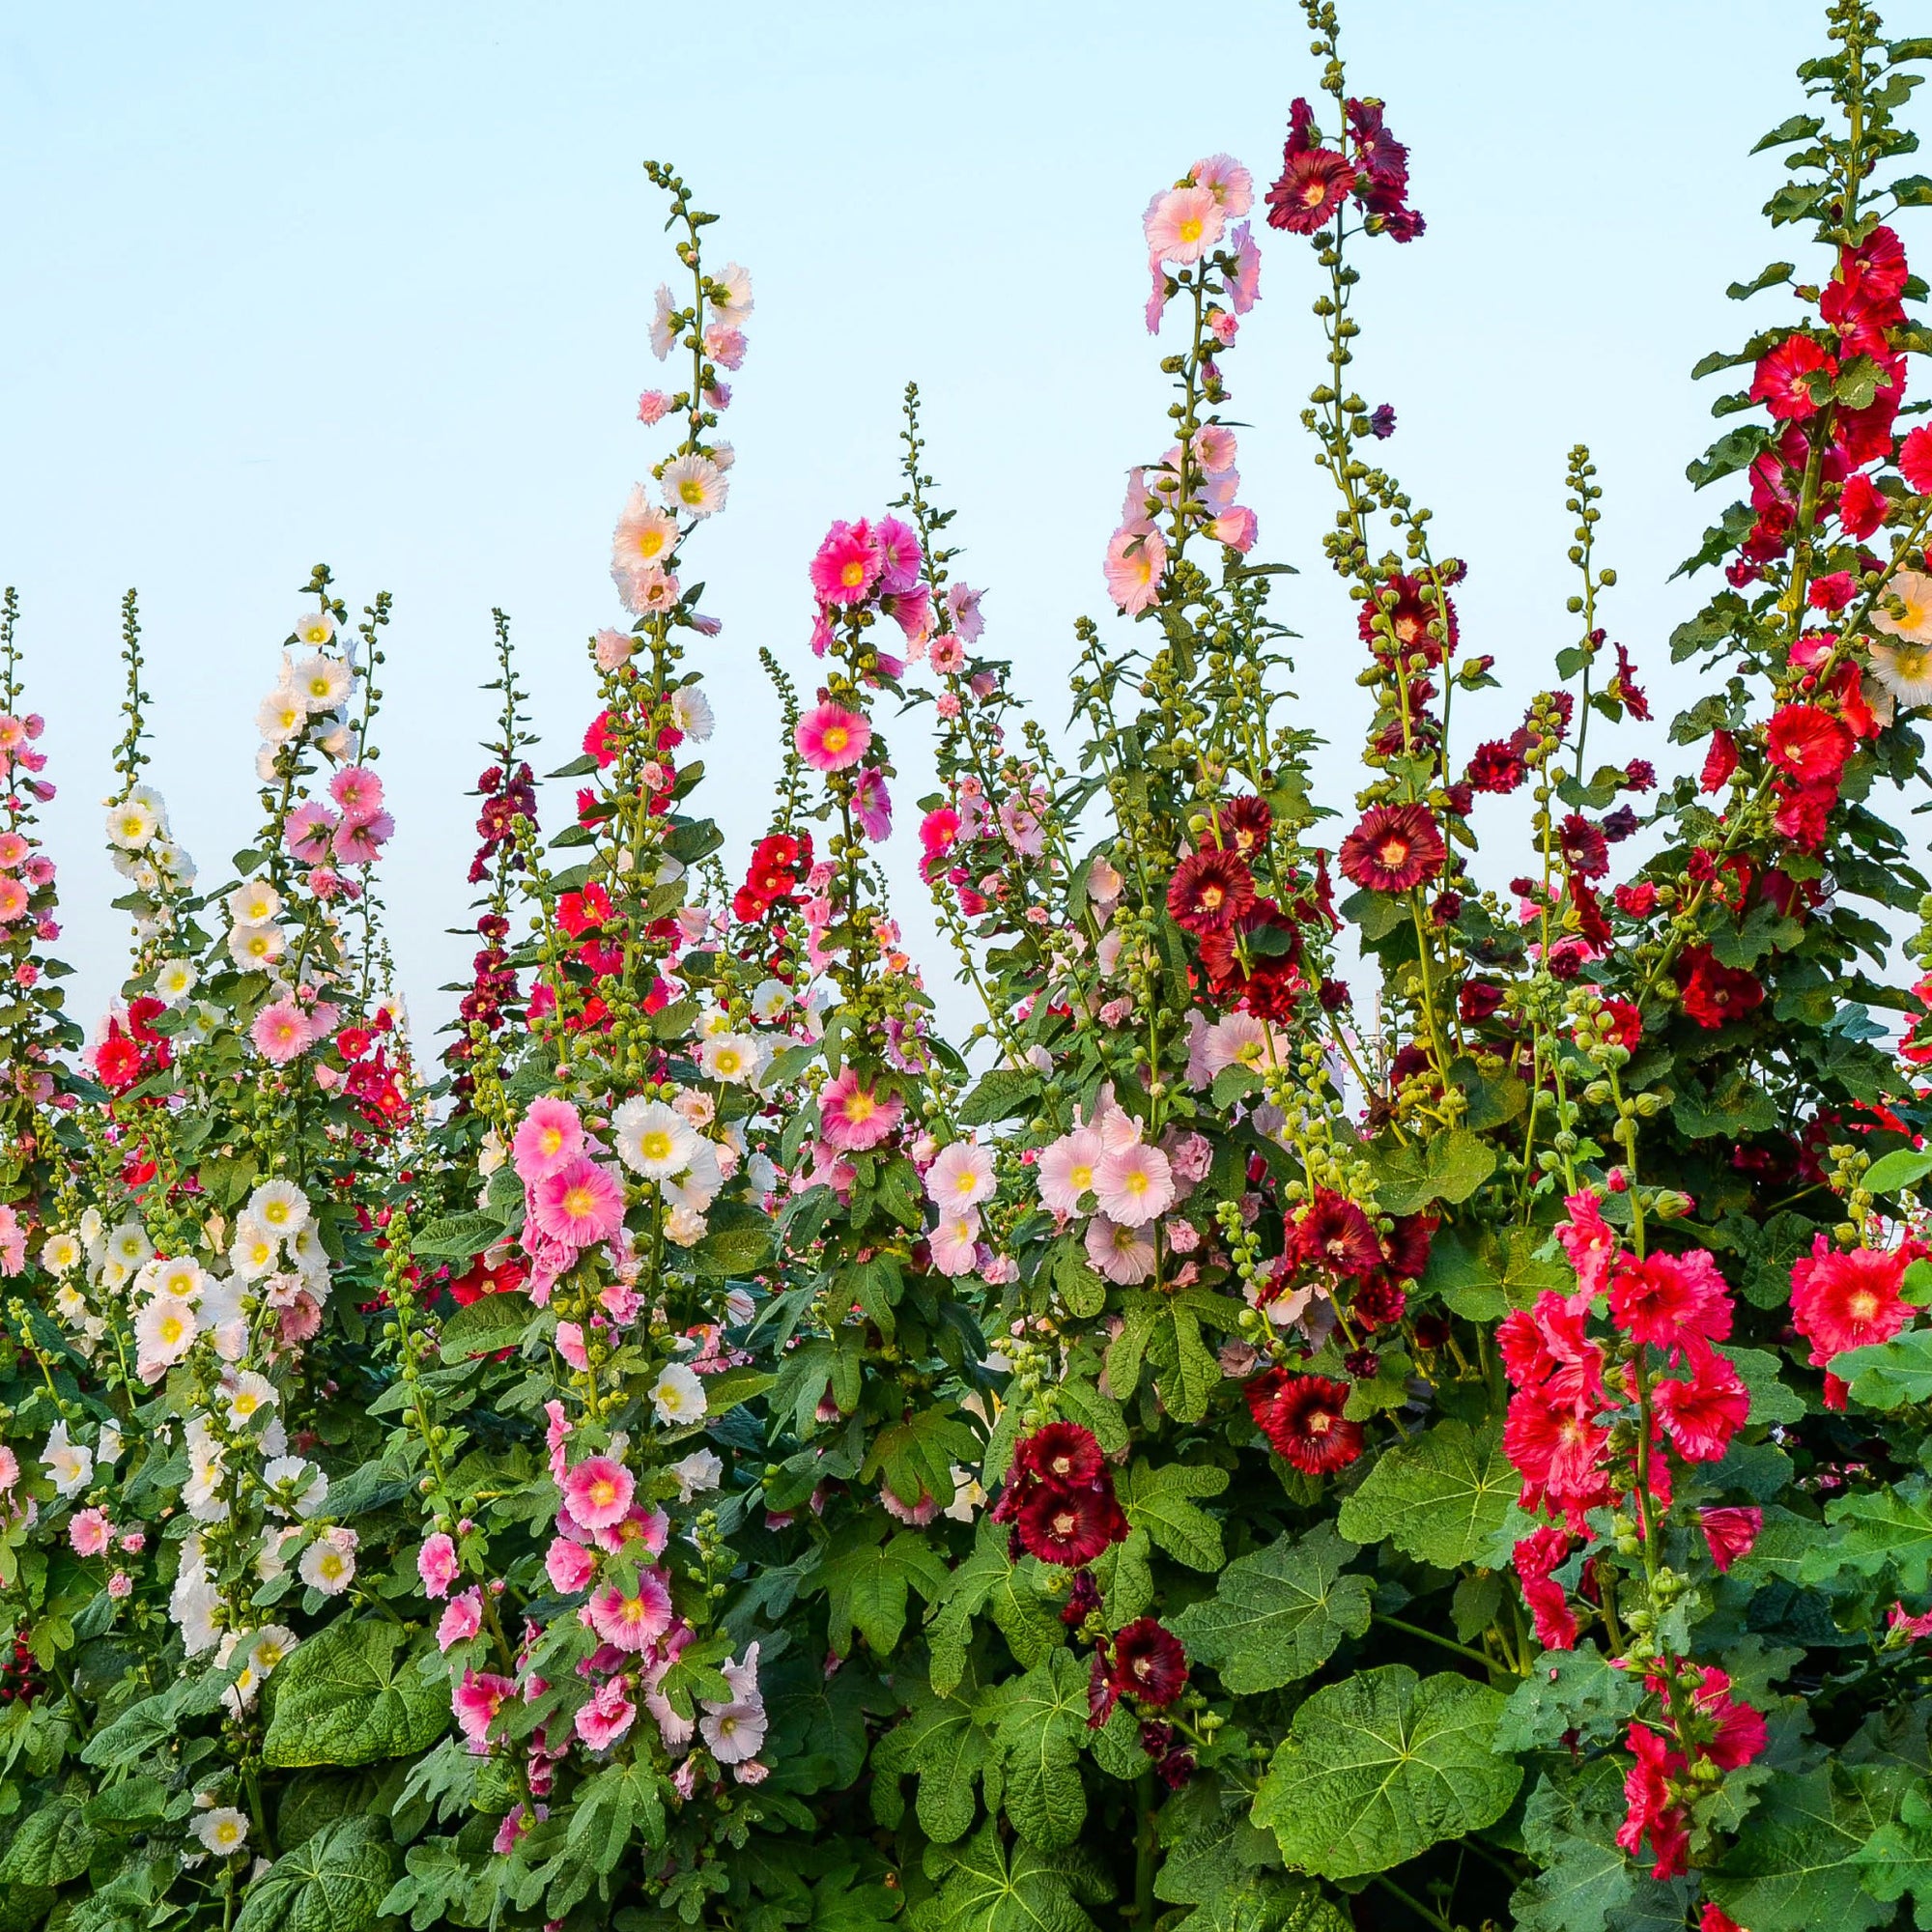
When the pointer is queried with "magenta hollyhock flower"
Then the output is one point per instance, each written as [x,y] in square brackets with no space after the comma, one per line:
[358,790]
[831,739]
[873,806]
[436,1565]
[855,1115]
[900,560]
[280,1030]
[598,1491]
[569,1566]
[475,1702]
[632,1623]
[358,841]
[546,1140]
[461,1619]
[847,565]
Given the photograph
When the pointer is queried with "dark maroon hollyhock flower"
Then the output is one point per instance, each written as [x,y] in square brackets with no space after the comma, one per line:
[1498,766]
[1363,1365]
[1415,610]
[1070,1527]
[1102,1692]
[1062,1455]
[1334,994]
[1301,1416]
[1618,825]
[1395,848]
[1150,1663]
[1082,1601]
[1242,825]
[1210,890]
[1431,1331]
[1626,686]
[1478,1001]
[1312,186]
[1335,1234]
[1585,850]
[1377,1303]
[1381,421]
[1406,1246]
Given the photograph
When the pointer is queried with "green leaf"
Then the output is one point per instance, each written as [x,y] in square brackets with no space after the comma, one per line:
[1586,1884]
[341,1699]
[1449,1168]
[1440,1497]
[1279,1615]
[490,1322]
[940,1742]
[1897,1858]
[999,1095]
[53,1845]
[1159,1501]
[1771,1401]
[1767,277]
[731,1251]
[981,1891]
[618,1800]
[456,1236]
[1568,1690]
[1889,1375]
[1876,1529]
[1041,1727]
[336,1882]
[1901,1168]
[990,1580]
[867,1582]
[1796,1865]
[1381,1767]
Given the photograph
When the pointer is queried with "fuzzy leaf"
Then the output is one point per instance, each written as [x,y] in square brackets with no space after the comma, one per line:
[336,1882]
[1042,1726]
[990,1580]
[1159,1501]
[868,1581]
[1796,1865]
[941,1742]
[457,1237]
[981,1891]
[341,1699]
[1440,1497]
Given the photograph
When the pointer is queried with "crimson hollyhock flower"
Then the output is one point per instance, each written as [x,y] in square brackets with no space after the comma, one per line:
[1209,892]
[1478,1001]
[1781,378]
[1650,1812]
[1242,825]
[117,1061]
[1730,1532]
[1377,1303]
[1559,1450]
[1536,1557]
[1843,1300]
[1586,852]
[1702,1414]
[1498,765]
[1301,1416]
[1548,1348]
[1150,1663]
[1626,1023]
[1413,612]
[1337,1235]
[1395,848]
[1313,185]
[1861,507]
[1810,744]
[1639,902]
[480,1279]
[1382,190]
[1668,1302]
[1070,1527]
[1915,459]
[1406,1246]
[1064,1455]
[1714,993]
[1719,762]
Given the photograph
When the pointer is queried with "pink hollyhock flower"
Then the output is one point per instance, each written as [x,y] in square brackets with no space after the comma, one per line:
[873,806]
[900,558]
[608,1716]
[955,1242]
[653,406]
[306,834]
[947,657]
[513,1827]
[939,831]
[436,1565]
[1021,824]
[555,1436]
[548,1138]
[1214,449]
[962,1177]
[1244,286]
[475,1702]
[570,1346]
[854,1116]
[598,1491]
[1701,1416]
[90,1532]
[359,841]
[1067,1167]
[461,1620]
[632,1623]
[1730,1532]
[280,1032]
[14,896]
[569,1566]
[582,1203]
[1589,1241]
[831,739]
[962,607]
[847,565]
[358,790]
[1134,1184]
[734,1732]
[1182,224]
[119,1586]
[1237,529]
[1135,560]
[1897,1620]
[1120,1253]
[10,1471]
[1232,186]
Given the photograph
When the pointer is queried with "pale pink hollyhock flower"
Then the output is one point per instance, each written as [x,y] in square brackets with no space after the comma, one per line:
[570,1346]
[1133,569]
[695,485]
[632,1623]
[1182,224]
[1237,529]
[653,406]
[873,806]
[1134,1184]
[831,739]
[948,656]
[962,606]
[548,1138]
[847,565]
[461,1619]
[133,1541]
[1237,1040]
[1182,1237]
[1121,1254]
[1228,181]
[598,1491]
[436,1565]
[120,1585]
[955,1242]
[612,648]
[306,834]
[359,839]
[734,1732]
[569,1566]
[1222,325]
[1245,289]
[1214,449]
[90,1532]
[1156,302]
[582,1205]
[358,790]
[475,1702]
[645,538]
[13,1243]
[1021,824]
[854,1117]
[962,1177]
[724,345]
[1191,1156]
[608,1716]
[300,1318]
[1068,1168]
[555,1436]
[280,1032]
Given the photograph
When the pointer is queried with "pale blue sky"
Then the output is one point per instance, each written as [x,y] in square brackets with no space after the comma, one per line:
[369,283]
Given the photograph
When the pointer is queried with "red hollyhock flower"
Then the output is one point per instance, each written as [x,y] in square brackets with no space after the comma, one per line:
[1779,383]
[1478,1001]
[1150,1663]
[1413,612]
[1843,1300]
[1915,459]
[1301,1416]
[1312,185]
[1242,825]
[1719,762]
[1070,1527]
[1810,744]
[1742,1732]
[1639,900]
[1805,813]
[117,1062]
[1715,1919]
[1548,1348]
[1668,1302]
[1730,1532]
[579,913]
[1586,852]
[1627,1028]
[480,1279]
[1497,765]
[1063,1456]
[1406,1246]
[1701,1416]
[1626,687]
[1536,1557]
[1335,1234]
[1713,993]
[1377,1303]
[1650,1812]
[1861,507]
[1210,890]
[1395,848]
[1558,1452]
